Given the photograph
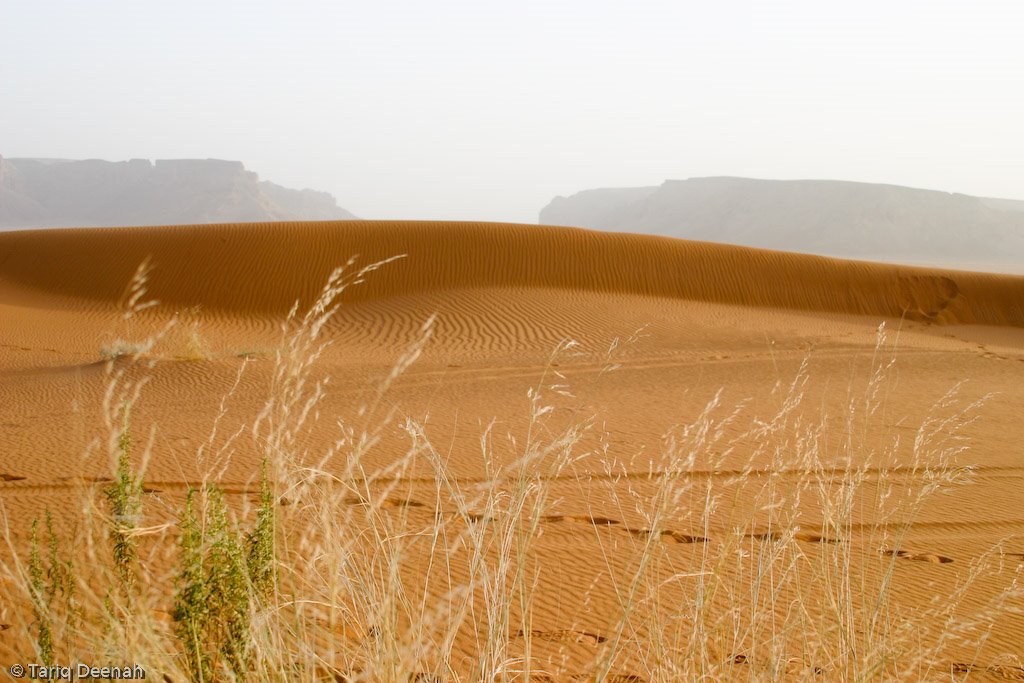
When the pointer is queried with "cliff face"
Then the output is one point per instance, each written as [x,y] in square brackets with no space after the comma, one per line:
[53,193]
[834,218]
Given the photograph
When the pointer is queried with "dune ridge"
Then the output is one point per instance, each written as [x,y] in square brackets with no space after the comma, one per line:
[261,268]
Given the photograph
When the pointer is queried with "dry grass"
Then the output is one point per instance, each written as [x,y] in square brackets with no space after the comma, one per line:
[336,575]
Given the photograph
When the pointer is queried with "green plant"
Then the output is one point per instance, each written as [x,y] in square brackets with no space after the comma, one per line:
[260,557]
[124,496]
[41,593]
[191,610]
[226,582]
[212,599]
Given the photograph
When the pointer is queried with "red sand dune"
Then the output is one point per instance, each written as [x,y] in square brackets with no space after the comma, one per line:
[718,318]
[263,268]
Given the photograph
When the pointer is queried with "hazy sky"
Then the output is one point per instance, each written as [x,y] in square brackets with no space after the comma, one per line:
[486,110]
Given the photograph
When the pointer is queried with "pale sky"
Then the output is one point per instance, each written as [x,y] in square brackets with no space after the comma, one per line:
[487,110]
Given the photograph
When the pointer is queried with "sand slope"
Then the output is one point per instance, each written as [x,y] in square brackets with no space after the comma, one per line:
[262,268]
[717,321]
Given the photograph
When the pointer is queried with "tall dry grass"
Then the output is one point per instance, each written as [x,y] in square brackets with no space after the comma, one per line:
[333,573]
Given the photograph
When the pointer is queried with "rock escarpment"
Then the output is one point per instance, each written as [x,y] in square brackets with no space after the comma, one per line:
[833,218]
[61,193]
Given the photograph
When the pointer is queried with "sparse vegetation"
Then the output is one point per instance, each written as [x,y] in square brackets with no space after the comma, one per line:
[193,345]
[781,568]
[253,353]
[51,589]
[119,349]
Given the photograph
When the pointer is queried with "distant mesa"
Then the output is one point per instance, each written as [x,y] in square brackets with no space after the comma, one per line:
[827,217]
[38,193]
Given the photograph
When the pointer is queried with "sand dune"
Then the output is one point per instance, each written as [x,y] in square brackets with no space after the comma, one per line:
[716,323]
[263,268]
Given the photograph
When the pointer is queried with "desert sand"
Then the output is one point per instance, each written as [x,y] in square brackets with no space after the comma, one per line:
[661,328]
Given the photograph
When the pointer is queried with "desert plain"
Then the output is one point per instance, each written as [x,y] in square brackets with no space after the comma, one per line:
[522,452]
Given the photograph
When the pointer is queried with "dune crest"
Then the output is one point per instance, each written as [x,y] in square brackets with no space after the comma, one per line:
[259,269]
